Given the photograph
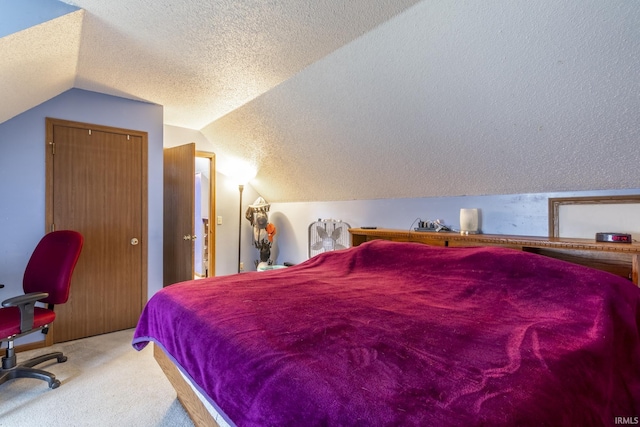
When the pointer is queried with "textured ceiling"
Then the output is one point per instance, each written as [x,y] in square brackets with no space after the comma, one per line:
[38,63]
[361,99]
[455,98]
[202,59]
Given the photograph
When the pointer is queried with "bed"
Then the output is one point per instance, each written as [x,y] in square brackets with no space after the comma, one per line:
[396,333]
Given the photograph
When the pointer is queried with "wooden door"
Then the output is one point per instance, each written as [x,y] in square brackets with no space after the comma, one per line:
[179,215]
[96,184]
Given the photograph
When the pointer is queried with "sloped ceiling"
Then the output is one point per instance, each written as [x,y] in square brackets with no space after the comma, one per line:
[455,98]
[341,100]
[38,63]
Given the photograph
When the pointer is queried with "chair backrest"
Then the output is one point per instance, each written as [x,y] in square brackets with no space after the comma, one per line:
[51,265]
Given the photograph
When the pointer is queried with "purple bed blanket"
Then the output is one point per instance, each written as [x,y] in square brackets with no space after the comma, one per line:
[403,334]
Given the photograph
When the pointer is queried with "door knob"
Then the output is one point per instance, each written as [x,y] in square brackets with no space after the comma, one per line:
[134,241]
[186,237]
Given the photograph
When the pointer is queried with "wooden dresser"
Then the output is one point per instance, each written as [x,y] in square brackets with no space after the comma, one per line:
[622,259]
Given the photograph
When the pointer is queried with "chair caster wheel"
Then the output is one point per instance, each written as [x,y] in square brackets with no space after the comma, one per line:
[54,384]
[62,359]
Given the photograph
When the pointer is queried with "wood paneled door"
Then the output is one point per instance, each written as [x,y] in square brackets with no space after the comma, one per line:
[180,235]
[97,185]
[179,228]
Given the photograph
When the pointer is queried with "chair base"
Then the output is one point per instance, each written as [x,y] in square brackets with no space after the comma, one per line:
[26,369]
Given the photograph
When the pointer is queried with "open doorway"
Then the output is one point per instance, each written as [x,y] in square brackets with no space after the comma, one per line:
[204,221]
[181,234]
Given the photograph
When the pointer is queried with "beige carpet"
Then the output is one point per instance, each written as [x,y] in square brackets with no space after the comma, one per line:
[105,382]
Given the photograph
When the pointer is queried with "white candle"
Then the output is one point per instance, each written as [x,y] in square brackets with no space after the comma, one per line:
[468,221]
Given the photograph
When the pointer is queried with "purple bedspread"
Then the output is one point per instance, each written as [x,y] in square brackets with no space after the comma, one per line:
[403,334]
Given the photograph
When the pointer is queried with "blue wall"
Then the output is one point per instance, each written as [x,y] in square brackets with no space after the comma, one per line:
[22,175]
[16,15]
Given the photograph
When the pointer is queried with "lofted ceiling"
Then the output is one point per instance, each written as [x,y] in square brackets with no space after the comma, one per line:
[362,99]
[200,59]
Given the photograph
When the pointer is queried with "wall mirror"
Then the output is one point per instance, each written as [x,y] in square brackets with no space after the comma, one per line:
[583,217]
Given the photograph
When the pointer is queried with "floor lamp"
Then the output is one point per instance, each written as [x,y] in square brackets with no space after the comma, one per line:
[240,188]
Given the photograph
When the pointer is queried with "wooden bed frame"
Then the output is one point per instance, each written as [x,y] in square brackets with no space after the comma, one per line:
[622,259]
[192,404]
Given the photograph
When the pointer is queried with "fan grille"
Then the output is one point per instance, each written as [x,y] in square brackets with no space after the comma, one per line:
[328,235]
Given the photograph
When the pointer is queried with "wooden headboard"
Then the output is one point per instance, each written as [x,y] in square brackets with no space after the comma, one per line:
[622,259]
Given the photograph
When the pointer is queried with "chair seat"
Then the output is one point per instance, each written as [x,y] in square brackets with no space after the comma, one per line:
[10,320]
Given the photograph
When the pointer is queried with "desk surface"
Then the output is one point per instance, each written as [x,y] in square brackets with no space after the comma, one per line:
[358,234]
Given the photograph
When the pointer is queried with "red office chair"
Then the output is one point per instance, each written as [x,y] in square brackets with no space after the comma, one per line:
[47,279]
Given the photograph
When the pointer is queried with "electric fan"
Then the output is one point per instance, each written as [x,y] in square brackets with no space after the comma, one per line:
[328,235]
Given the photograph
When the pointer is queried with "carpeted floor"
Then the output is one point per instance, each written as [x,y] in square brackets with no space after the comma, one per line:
[105,382]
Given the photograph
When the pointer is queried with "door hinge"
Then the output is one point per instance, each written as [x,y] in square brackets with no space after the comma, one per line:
[53,227]
[89,131]
[53,147]
[128,137]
